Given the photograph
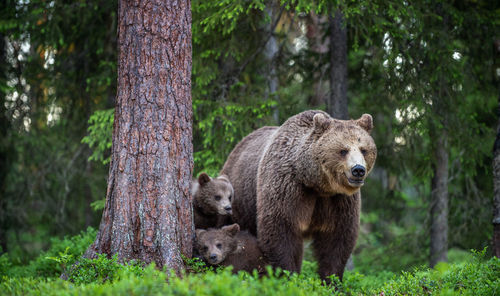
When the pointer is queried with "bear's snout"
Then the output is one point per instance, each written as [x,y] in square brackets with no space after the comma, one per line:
[213,257]
[358,171]
[356,176]
[228,209]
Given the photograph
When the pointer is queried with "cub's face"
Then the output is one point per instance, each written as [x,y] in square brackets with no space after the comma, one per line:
[215,244]
[213,195]
[344,151]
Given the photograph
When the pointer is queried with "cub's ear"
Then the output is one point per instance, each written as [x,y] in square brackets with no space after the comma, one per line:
[224,177]
[231,230]
[203,179]
[199,232]
[321,123]
[240,247]
[366,122]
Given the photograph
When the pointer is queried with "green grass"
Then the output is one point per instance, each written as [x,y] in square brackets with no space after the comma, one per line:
[467,274]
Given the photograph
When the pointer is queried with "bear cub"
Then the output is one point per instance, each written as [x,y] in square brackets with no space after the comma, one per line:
[211,201]
[230,246]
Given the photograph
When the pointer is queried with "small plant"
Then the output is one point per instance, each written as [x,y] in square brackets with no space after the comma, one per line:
[99,137]
[63,259]
[101,270]
[5,264]
[195,265]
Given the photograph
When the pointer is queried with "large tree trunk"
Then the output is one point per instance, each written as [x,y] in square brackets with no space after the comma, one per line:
[439,201]
[337,102]
[148,213]
[496,186]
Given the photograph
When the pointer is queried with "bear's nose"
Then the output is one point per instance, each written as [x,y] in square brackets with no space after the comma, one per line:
[358,171]
[228,208]
[213,257]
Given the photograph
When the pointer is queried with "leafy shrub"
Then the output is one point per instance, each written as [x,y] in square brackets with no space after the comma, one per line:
[101,269]
[107,276]
[5,264]
[62,254]
[475,277]
[99,137]
[196,265]
[152,281]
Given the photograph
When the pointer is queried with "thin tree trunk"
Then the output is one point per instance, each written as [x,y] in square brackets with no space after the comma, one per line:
[439,201]
[320,46]
[337,102]
[496,186]
[496,168]
[271,52]
[88,195]
[4,148]
[148,213]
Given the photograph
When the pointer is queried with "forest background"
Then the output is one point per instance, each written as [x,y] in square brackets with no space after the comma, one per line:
[428,72]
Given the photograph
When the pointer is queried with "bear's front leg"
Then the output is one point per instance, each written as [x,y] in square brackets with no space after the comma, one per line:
[333,248]
[280,243]
[278,232]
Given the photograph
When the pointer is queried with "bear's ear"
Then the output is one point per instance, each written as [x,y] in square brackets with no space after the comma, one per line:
[203,179]
[366,122]
[231,230]
[321,123]
[199,232]
[224,177]
[240,247]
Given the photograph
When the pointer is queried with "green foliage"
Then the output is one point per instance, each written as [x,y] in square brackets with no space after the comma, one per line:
[58,66]
[106,277]
[222,127]
[63,259]
[99,137]
[62,254]
[474,275]
[5,264]
[98,204]
[417,67]
[196,265]
[472,278]
[101,270]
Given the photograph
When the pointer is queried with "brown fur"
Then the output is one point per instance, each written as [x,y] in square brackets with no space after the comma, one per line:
[229,246]
[295,181]
[212,201]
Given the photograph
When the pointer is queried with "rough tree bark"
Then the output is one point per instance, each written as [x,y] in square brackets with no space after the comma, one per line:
[337,102]
[148,213]
[439,201]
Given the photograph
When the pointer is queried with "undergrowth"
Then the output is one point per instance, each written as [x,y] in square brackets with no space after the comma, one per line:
[476,275]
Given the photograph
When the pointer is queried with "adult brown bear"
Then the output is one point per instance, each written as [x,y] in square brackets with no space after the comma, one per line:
[300,180]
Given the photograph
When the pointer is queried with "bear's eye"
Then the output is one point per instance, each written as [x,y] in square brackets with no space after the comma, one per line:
[217,197]
[219,246]
[343,152]
[363,151]
[230,197]
[205,248]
